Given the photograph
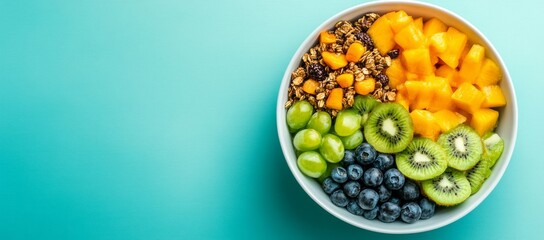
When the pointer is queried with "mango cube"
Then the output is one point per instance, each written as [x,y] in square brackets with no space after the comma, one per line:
[484,120]
[468,97]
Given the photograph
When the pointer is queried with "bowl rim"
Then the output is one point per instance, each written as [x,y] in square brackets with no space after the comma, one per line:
[283,134]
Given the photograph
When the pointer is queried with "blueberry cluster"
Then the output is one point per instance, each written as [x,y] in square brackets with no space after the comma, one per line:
[368,184]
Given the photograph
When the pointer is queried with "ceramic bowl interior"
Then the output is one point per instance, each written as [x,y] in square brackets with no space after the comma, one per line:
[507,127]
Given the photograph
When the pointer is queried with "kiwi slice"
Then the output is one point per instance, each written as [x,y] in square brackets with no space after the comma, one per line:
[423,159]
[463,147]
[448,189]
[389,128]
[477,175]
[364,104]
[493,147]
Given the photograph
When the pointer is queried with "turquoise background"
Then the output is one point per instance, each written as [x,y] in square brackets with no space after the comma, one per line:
[156,120]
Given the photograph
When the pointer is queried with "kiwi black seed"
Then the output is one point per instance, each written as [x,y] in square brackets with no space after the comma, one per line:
[364,105]
[389,128]
[463,147]
[423,159]
[477,175]
[448,189]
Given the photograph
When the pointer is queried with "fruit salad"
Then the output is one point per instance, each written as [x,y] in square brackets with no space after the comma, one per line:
[394,116]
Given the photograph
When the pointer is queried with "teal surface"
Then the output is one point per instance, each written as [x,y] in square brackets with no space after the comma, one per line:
[156,120]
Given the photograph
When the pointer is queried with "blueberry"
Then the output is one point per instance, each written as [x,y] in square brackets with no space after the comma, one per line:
[384,161]
[354,208]
[371,214]
[410,212]
[349,158]
[427,208]
[386,219]
[329,185]
[355,172]
[368,199]
[393,179]
[372,177]
[384,193]
[365,154]
[339,199]
[339,174]
[352,188]
[410,191]
[389,212]
[395,200]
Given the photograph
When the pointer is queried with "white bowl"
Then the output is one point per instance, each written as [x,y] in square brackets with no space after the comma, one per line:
[507,127]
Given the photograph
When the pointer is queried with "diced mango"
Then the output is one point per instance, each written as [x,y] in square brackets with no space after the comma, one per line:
[396,73]
[464,53]
[419,93]
[410,37]
[310,86]
[465,114]
[472,63]
[438,42]
[345,80]
[365,86]
[402,100]
[327,37]
[390,15]
[401,89]
[442,94]
[425,124]
[490,74]
[433,26]
[412,77]
[334,60]
[468,97]
[355,52]
[425,97]
[484,120]
[334,101]
[456,42]
[450,74]
[382,35]
[419,23]
[448,119]
[494,96]
[446,72]
[418,61]
[412,89]
[399,20]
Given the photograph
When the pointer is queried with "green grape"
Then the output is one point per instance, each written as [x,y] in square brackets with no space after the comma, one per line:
[307,139]
[320,121]
[352,141]
[347,122]
[332,148]
[299,114]
[311,164]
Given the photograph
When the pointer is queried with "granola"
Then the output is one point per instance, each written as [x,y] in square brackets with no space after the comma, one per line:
[371,65]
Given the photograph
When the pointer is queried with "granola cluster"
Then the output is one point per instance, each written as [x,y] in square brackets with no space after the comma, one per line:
[370,65]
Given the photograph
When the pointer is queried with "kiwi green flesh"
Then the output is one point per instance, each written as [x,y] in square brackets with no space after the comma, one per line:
[389,128]
[477,175]
[463,147]
[449,189]
[423,159]
[493,147]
